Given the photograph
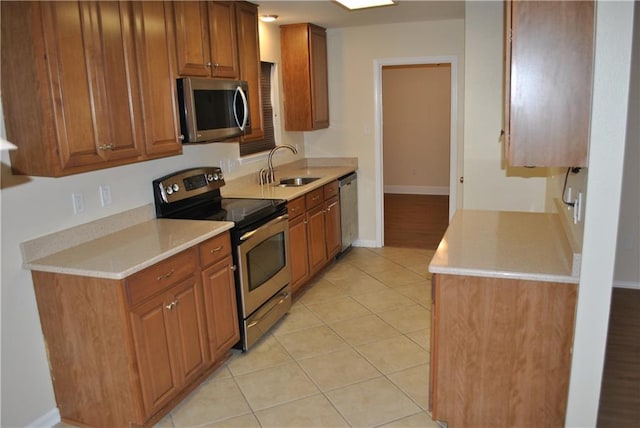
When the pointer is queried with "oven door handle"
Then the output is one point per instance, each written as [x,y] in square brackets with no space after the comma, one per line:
[271,223]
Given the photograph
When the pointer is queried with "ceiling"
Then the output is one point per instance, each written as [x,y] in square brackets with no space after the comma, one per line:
[330,14]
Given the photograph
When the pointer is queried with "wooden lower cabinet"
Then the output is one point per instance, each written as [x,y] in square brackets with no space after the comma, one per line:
[298,253]
[500,351]
[221,307]
[315,237]
[125,352]
[170,342]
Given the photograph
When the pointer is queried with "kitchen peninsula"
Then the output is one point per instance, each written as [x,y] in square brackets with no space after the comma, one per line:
[503,308]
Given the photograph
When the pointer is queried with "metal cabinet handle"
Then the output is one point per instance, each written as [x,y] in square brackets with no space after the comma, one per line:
[172,305]
[215,250]
[331,206]
[106,147]
[315,198]
[283,297]
[166,275]
[233,268]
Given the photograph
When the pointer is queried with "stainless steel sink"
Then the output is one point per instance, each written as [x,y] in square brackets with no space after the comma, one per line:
[296,181]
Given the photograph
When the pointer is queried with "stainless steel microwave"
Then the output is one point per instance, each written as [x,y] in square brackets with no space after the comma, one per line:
[213,109]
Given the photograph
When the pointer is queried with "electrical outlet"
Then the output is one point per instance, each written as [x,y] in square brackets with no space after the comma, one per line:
[105,195]
[78,202]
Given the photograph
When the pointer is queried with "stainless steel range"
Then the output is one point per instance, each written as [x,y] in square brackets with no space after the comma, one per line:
[259,240]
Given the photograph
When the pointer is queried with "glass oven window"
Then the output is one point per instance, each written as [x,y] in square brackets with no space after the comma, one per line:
[265,260]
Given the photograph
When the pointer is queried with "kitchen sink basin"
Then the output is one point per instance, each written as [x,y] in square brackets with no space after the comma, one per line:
[296,181]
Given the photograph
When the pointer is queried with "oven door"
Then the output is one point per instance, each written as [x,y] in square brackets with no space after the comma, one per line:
[262,263]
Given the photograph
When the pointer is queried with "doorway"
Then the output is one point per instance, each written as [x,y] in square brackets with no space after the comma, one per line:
[417,173]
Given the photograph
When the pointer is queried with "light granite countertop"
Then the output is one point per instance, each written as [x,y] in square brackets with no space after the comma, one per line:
[501,244]
[325,169]
[127,251]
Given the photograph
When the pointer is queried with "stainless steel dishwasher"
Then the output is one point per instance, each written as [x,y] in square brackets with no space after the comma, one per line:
[348,186]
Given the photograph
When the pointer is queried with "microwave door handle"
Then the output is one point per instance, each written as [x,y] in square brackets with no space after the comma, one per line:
[245,107]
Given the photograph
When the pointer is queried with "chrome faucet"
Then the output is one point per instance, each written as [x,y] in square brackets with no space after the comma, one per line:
[269,176]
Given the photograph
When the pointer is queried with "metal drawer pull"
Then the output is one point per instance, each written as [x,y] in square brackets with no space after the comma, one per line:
[166,275]
[106,146]
[172,305]
[215,250]
[315,198]
[234,268]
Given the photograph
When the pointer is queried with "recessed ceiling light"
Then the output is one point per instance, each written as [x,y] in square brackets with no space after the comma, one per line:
[362,4]
[268,18]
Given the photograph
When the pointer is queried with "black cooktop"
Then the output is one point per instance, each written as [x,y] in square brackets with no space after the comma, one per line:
[195,194]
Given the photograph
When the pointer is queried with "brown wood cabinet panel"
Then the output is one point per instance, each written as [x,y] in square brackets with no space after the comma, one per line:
[298,251]
[155,279]
[159,376]
[314,198]
[249,60]
[215,249]
[192,38]
[96,104]
[304,76]
[502,351]
[549,73]
[316,234]
[221,308]
[333,233]
[156,71]
[89,349]
[223,39]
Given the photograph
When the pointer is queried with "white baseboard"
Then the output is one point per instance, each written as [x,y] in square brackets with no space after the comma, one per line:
[417,190]
[48,420]
[364,243]
[627,284]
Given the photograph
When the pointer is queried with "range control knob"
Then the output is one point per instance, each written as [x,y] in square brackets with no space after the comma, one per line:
[220,177]
[169,190]
[175,187]
[210,177]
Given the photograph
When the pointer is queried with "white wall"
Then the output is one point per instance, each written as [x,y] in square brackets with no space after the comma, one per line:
[351,54]
[627,270]
[488,184]
[36,206]
[614,25]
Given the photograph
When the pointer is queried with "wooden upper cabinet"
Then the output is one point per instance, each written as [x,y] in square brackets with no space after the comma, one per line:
[74,89]
[206,42]
[548,81]
[249,58]
[223,39]
[157,78]
[304,77]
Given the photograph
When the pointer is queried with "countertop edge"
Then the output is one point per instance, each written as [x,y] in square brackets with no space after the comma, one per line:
[42,267]
[528,276]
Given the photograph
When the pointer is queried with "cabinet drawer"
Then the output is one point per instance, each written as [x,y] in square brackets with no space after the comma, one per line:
[330,189]
[215,249]
[156,278]
[314,198]
[296,207]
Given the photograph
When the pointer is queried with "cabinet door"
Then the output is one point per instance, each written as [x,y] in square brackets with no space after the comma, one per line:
[249,58]
[89,49]
[298,251]
[224,44]
[170,342]
[333,231]
[549,71]
[319,77]
[159,379]
[221,308]
[188,333]
[317,245]
[192,38]
[156,71]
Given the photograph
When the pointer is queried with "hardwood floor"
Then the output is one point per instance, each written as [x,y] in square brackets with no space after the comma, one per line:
[416,221]
[620,393]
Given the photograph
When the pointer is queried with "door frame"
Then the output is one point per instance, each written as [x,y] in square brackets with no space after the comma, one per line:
[454,143]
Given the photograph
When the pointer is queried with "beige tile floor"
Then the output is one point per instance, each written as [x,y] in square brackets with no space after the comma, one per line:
[353,351]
